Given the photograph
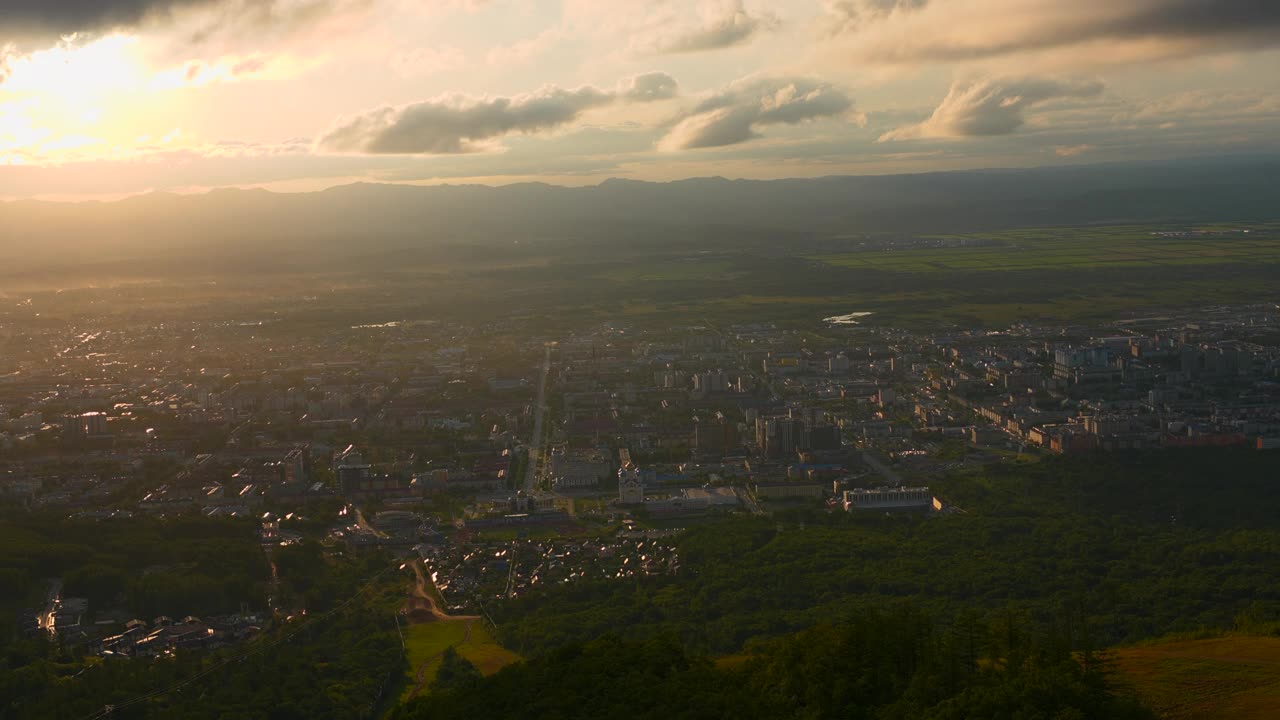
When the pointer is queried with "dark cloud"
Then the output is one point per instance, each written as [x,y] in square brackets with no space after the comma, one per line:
[907,30]
[43,20]
[462,124]
[991,107]
[733,115]
[1198,17]
[32,24]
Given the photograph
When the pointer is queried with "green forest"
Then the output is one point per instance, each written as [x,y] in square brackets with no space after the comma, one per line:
[341,660]
[190,565]
[884,664]
[1001,607]
[1137,546]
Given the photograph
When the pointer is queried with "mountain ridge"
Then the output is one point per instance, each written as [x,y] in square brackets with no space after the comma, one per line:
[364,218]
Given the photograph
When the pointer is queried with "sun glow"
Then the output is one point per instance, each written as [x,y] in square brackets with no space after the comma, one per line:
[61,100]
[78,74]
[104,98]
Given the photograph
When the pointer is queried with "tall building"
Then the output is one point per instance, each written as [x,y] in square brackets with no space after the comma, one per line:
[781,436]
[347,456]
[295,465]
[352,473]
[353,479]
[710,383]
[72,428]
[95,424]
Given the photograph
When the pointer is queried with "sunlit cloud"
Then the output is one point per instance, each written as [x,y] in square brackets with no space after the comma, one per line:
[991,107]
[457,124]
[714,24]
[737,113]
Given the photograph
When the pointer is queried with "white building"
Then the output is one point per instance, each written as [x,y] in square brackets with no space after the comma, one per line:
[630,485]
[885,498]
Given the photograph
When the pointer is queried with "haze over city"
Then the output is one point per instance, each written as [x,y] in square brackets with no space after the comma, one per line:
[647,359]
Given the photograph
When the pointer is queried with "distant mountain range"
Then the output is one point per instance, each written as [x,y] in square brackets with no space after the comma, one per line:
[368,219]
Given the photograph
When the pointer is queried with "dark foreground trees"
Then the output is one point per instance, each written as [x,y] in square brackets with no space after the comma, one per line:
[886,665]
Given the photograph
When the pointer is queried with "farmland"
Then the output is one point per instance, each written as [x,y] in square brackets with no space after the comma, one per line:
[992,278]
[1086,248]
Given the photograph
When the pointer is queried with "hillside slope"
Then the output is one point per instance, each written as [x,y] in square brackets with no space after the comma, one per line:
[1237,676]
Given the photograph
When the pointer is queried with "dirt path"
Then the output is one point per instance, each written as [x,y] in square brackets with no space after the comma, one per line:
[421,608]
[365,524]
[421,602]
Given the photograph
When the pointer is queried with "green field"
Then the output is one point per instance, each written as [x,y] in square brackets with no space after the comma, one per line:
[684,269]
[1089,248]
[1237,677]
[1065,274]
[426,642]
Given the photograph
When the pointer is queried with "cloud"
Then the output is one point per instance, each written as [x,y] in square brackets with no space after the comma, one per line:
[192,41]
[991,107]
[43,22]
[734,114]
[455,124]
[849,15]
[48,19]
[719,24]
[649,87]
[913,30]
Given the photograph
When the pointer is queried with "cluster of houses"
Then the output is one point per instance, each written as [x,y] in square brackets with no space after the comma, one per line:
[165,636]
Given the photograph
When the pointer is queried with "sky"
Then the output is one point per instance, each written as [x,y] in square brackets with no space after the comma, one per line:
[105,98]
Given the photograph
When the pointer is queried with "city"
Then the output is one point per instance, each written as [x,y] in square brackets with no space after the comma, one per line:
[509,461]
[659,360]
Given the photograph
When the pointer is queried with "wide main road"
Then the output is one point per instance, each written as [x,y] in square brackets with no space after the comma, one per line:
[535,445]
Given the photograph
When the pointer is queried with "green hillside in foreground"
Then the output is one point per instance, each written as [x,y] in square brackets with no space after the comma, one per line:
[1236,676]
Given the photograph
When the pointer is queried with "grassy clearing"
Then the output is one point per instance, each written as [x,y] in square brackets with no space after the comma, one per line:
[483,652]
[1236,676]
[427,641]
[424,644]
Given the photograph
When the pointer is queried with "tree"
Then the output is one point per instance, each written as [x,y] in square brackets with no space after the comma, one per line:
[456,672]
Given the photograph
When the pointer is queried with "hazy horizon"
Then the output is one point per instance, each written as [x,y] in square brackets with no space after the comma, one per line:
[595,182]
[107,99]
